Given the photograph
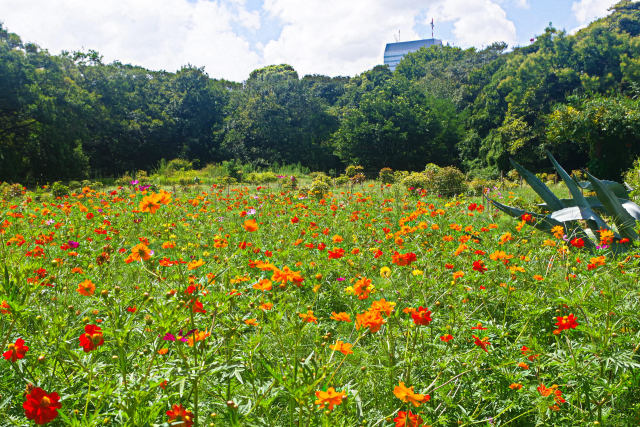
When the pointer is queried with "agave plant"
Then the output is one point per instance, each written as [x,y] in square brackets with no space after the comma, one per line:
[581,217]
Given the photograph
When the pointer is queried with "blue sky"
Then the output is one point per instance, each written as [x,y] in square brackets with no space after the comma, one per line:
[230,38]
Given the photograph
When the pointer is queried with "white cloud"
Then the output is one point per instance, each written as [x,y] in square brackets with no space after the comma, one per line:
[337,37]
[158,34]
[586,11]
[475,22]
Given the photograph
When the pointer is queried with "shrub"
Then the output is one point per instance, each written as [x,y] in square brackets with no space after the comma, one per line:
[289,182]
[416,180]
[632,178]
[448,181]
[478,184]
[341,180]
[10,190]
[179,165]
[387,176]
[319,188]
[353,170]
[398,176]
[58,189]
[357,178]
[233,169]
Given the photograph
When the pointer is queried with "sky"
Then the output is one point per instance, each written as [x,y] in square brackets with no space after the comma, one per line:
[231,38]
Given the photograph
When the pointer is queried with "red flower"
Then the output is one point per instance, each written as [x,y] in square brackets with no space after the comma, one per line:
[421,316]
[578,243]
[566,322]
[408,419]
[482,343]
[92,338]
[40,406]
[446,338]
[403,259]
[336,253]
[16,351]
[479,266]
[179,416]
[294,220]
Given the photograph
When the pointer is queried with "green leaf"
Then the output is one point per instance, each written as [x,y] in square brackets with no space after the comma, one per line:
[594,203]
[595,222]
[538,186]
[623,220]
[543,222]
[618,189]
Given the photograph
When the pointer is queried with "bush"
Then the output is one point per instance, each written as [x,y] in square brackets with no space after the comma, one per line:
[58,189]
[387,176]
[353,170]
[478,184]
[341,180]
[179,165]
[232,169]
[319,188]
[398,176]
[448,181]
[416,180]
[632,178]
[10,190]
[124,180]
[357,178]
[290,183]
[261,177]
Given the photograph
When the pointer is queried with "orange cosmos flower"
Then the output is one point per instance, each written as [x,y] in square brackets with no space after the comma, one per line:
[515,386]
[263,285]
[370,319]
[308,317]
[251,322]
[406,394]
[331,397]
[250,225]
[383,306]
[286,275]
[139,252]
[86,288]
[340,317]
[408,419]
[149,204]
[363,287]
[342,347]
[195,264]
[266,306]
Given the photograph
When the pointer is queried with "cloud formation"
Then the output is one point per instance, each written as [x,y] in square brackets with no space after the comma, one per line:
[475,22]
[586,11]
[230,38]
[158,34]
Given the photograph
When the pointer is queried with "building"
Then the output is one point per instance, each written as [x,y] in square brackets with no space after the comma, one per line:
[394,52]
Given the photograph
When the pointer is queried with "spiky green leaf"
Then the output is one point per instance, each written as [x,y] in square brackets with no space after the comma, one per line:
[538,186]
[623,220]
[594,222]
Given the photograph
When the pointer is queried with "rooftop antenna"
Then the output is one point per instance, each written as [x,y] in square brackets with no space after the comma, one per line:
[431,27]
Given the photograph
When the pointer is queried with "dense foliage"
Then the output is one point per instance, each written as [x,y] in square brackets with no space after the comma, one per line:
[72,116]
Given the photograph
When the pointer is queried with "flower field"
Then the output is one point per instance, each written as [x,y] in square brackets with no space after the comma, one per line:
[255,306]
